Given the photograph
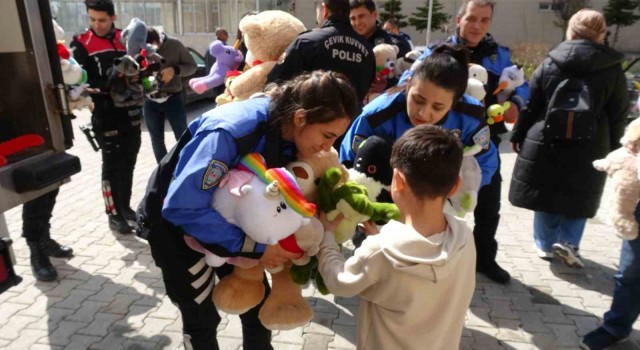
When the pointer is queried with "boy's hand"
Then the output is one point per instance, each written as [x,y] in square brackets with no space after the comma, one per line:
[369,228]
[330,225]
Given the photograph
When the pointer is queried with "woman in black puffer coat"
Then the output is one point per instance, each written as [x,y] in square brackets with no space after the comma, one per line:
[556,179]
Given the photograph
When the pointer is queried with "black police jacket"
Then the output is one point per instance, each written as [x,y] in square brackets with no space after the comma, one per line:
[335,47]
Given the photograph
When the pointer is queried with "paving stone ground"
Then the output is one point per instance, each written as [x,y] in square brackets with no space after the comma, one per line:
[111,296]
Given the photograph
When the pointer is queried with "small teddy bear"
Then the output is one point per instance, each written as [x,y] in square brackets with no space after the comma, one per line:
[385,64]
[621,167]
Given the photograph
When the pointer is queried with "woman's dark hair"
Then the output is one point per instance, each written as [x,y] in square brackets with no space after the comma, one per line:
[447,67]
[430,158]
[100,5]
[324,96]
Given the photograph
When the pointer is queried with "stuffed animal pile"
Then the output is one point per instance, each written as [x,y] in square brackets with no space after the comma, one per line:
[75,78]
[385,64]
[227,59]
[266,35]
[622,167]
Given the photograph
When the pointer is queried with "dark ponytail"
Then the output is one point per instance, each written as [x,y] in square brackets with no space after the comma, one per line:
[324,96]
[446,67]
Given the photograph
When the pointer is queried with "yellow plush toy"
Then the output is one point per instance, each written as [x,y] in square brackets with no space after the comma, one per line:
[226,96]
[266,35]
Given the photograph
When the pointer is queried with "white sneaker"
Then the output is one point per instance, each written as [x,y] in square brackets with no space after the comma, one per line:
[544,255]
[569,254]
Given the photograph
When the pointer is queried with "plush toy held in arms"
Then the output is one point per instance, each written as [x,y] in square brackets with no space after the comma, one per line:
[227,59]
[622,167]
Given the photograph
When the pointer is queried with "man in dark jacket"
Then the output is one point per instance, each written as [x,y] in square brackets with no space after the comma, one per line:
[167,102]
[335,46]
[556,178]
[364,20]
[117,129]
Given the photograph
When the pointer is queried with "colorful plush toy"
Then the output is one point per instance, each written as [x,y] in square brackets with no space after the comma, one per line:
[511,78]
[404,63]
[226,96]
[268,206]
[227,59]
[622,167]
[495,113]
[466,198]
[134,37]
[266,35]
[478,78]
[351,200]
[124,84]
[385,64]
[72,74]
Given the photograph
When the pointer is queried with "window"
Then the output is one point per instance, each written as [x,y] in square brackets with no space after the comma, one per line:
[550,6]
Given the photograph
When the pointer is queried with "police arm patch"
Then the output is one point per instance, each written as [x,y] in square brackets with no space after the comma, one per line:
[214,174]
[482,137]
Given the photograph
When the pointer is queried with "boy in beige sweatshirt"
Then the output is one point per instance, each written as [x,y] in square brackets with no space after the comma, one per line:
[416,277]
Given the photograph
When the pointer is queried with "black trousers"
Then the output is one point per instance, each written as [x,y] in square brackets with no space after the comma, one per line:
[36,214]
[186,279]
[487,217]
[117,131]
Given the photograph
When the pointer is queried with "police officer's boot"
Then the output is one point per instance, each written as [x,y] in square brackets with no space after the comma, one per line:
[128,214]
[55,249]
[119,224]
[40,263]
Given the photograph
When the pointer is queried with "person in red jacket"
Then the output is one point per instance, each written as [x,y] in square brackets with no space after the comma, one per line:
[117,129]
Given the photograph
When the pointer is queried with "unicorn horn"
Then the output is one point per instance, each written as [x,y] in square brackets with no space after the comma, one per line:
[272,190]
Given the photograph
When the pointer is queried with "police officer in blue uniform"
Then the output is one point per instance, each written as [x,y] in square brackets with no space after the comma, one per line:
[473,20]
[299,117]
[334,46]
[433,95]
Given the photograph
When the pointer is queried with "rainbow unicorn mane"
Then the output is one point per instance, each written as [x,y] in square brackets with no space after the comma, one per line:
[287,185]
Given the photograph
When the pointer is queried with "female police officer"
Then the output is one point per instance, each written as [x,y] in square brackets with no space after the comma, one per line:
[300,117]
[433,95]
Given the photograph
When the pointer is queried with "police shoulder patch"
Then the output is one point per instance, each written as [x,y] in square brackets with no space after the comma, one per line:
[214,174]
[357,140]
[482,137]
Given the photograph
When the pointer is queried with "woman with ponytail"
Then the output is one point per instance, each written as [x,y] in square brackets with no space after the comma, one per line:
[300,117]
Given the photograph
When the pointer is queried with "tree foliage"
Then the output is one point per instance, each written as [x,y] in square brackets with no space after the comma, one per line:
[420,18]
[621,13]
[393,9]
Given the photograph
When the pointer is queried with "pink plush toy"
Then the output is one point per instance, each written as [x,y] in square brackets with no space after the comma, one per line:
[227,58]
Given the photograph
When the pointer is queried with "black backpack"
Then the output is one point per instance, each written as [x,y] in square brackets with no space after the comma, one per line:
[149,213]
[570,114]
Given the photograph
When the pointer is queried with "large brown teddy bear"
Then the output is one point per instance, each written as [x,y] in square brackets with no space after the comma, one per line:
[266,35]
[622,167]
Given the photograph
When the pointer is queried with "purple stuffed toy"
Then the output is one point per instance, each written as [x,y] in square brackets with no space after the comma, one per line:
[227,58]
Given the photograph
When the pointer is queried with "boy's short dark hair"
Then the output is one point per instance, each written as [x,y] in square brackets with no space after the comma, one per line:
[152,36]
[101,5]
[369,4]
[430,158]
[393,22]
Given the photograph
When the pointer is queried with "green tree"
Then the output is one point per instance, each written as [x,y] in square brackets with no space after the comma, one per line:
[621,13]
[564,9]
[420,18]
[393,9]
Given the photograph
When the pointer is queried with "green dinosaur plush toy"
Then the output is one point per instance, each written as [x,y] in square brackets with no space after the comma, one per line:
[352,201]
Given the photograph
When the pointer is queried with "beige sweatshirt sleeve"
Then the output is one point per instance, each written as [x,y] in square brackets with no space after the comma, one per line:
[344,278]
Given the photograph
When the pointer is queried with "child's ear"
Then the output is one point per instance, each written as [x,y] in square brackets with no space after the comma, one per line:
[456,187]
[398,182]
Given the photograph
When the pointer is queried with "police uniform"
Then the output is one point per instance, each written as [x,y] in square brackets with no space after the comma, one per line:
[386,116]
[117,129]
[335,47]
[220,138]
[494,58]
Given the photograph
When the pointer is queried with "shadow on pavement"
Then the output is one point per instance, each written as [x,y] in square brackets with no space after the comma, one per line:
[88,309]
[593,276]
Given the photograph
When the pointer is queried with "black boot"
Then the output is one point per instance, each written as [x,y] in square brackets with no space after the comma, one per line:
[128,214]
[40,263]
[54,249]
[118,224]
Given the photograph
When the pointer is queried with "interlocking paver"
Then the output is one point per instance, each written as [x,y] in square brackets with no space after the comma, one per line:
[113,286]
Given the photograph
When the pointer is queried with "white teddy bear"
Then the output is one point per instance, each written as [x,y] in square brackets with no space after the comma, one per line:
[622,166]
